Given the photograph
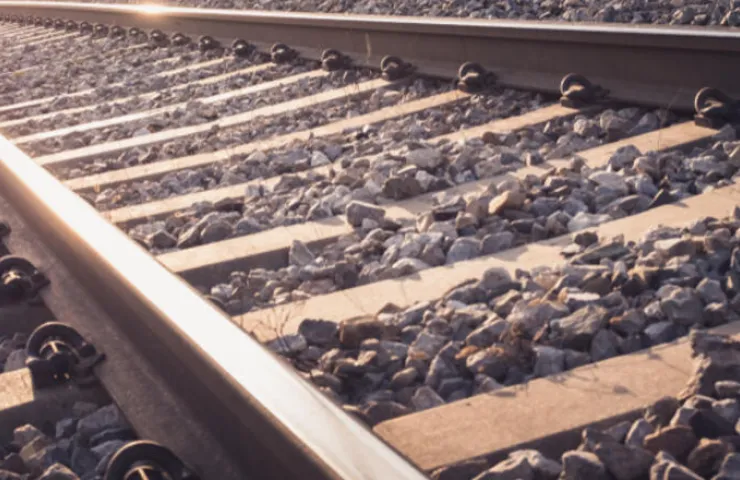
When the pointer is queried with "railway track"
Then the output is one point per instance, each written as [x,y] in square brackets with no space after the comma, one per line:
[460,242]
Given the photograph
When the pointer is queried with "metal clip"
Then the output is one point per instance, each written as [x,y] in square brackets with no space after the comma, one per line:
[159,38]
[57,353]
[578,92]
[86,28]
[142,460]
[242,48]
[332,60]
[71,25]
[208,43]
[714,108]
[281,53]
[394,68]
[19,280]
[472,77]
[117,31]
[101,30]
[134,32]
[179,39]
[59,24]
[48,23]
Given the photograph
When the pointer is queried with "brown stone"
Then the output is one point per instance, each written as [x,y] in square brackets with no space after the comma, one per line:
[677,440]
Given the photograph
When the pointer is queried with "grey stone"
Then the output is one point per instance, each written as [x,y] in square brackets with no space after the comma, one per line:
[16,360]
[683,307]
[425,158]
[161,240]
[25,434]
[358,211]
[105,451]
[425,398]
[710,291]
[517,468]
[584,220]
[624,462]
[610,180]
[216,231]
[668,470]
[683,416]
[730,468]
[65,427]
[727,388]
[319,332]
[661,332]
[640,429]
[496,242]
[463,248]
[604,345]
[488,333]
[290,344]
[531,317]
[102,419]
[489,362]
[578,328]
[427,344]
[299,254]
[580,465]
[548,361]
[728,408]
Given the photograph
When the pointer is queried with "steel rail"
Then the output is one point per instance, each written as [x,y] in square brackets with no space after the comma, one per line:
[182,372]
[651,65]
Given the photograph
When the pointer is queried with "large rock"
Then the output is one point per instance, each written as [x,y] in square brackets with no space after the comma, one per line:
[358,211]
[578,329]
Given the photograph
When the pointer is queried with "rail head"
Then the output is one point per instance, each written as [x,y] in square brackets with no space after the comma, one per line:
[661,66]
[255,405]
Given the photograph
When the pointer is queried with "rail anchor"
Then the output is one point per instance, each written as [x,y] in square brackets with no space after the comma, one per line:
[472,77]
[394,68]
[57,353]
[19,278]
[144,459]
[332,60]
[714,108]
[578,92]
[281,53]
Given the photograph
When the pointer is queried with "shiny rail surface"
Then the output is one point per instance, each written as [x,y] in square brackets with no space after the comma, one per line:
[264,422]
[620,58]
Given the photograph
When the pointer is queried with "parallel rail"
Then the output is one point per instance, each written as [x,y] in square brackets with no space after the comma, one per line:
[521,54]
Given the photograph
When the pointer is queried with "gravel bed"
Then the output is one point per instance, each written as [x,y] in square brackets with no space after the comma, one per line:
[691,436]
[676,12]
[194,113]
[165,87]
[418,169]
[140,77]
[609,298]
[162,99]
[136,69]
[339,149]
[264,208]
[261,127]
[55,62]
[506,215]
[76,448]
